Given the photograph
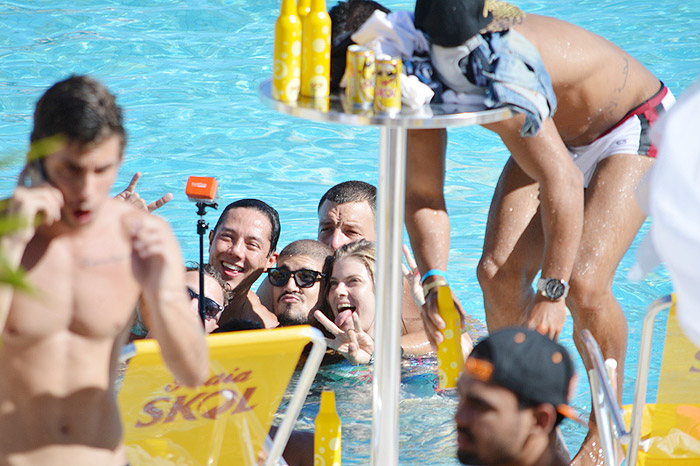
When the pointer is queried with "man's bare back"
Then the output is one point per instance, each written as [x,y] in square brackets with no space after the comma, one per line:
[87,261]
[596,82]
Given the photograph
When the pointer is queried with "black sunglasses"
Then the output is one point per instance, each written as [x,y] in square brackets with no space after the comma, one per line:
[304,278]
[211,307]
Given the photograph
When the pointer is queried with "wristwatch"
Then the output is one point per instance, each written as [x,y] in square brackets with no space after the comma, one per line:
[552,288]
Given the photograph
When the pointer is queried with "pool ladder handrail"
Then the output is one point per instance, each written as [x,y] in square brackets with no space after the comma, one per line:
[602,390]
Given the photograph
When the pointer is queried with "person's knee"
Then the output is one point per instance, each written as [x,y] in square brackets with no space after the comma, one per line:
[588,297]
[499,279]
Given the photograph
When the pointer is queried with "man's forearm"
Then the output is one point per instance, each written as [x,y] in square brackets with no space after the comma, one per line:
[561,206]
[427,222]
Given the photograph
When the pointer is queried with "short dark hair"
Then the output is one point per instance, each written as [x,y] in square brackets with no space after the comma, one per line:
[79,108]
[216,275]
[311,248]
[260,206]
[351,191]
[346,18]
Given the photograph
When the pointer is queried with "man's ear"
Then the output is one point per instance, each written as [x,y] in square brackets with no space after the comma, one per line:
[272,260]
[211,238]
[545,416]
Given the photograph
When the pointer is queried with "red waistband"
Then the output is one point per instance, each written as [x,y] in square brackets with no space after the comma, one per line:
[647,108]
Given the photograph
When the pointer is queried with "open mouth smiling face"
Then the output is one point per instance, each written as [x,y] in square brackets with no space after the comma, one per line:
[240,246]
[351,291]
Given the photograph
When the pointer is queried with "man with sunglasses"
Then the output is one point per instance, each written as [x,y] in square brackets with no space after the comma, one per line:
[216,298]
[296,281]
[216,295]
[347,213]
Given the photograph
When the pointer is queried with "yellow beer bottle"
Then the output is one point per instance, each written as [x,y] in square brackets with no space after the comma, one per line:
[286,68]
[303,8]
[316,51]
[450,358]
[327,432]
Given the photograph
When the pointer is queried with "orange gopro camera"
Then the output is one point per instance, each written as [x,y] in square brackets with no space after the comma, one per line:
[201,188]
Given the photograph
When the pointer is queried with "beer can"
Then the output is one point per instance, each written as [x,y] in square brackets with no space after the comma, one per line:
[387,89]
[359,65]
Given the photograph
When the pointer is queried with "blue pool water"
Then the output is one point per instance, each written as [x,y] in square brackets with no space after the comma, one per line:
[187,73]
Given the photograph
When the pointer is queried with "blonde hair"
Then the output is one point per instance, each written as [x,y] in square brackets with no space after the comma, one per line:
[362,250]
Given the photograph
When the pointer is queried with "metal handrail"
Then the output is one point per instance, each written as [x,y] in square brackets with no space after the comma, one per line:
[604,394]
[605,387]
[128,351]
[607,411]
[640,388]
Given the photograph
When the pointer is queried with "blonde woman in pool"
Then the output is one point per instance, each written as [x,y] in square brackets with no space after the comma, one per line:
[350,297]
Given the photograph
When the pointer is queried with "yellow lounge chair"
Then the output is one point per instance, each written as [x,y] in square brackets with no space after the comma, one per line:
[225,421]
[663,433]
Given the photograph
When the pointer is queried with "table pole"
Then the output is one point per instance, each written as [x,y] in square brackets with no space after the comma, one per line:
[389,291]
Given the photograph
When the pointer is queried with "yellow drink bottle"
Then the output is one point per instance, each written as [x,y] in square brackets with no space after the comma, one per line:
[316,51]
[286,68]
[303,8]
[450,358]
[327,432]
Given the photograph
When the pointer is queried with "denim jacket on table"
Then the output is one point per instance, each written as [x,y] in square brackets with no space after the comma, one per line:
[506,68]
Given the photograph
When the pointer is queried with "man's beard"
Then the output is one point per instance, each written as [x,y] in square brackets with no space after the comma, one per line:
[286,319]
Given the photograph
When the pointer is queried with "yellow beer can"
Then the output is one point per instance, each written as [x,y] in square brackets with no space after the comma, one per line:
[360,66]
[387,89]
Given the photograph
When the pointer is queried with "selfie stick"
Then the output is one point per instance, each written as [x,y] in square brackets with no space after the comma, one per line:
[202,191]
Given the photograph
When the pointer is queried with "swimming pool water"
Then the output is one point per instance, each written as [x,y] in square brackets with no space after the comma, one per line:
[187,74]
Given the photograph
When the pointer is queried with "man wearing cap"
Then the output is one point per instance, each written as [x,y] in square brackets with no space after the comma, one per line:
[513,393]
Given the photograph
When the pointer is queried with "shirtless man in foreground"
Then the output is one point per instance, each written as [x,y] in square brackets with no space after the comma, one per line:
[87,259]
[564,204]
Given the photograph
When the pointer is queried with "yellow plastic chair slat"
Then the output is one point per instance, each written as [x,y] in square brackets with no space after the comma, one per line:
[653,434]
[226,420]
[679,377]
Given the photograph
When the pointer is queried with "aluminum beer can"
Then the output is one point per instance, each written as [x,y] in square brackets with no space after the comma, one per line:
[360,69]
[387,89]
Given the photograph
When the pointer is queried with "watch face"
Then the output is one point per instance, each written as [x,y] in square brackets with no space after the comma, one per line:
[554,289]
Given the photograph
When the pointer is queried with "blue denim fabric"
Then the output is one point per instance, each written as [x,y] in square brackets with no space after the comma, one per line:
[420,67]
[511,69]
